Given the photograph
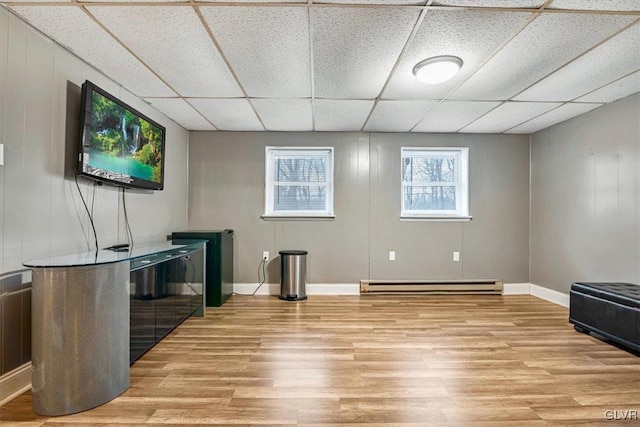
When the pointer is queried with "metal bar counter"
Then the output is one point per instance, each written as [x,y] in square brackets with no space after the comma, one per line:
[81,324]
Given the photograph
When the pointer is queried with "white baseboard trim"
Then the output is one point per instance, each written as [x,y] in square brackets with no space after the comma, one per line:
[538,291]
[547,294]
[312,288]
[333,289]
[15,383]
[516,288]
[550,295]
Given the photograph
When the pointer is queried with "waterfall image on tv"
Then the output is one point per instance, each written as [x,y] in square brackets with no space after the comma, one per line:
[120,145]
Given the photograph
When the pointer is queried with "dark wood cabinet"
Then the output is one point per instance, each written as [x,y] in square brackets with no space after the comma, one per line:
[163,294]
[95,313]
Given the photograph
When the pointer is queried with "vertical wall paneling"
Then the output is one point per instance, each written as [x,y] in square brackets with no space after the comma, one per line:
[14,144]
[226,185]
[40,210]
[423,249]
[494,245]
[496,242]
[67,211]
[226,190]
[35,212]
[72,228]
[340,246]
[584,198]
[540,212]
[4,52]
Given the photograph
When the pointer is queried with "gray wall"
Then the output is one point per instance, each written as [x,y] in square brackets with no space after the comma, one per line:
[226,190]
[585,198]
[41,213]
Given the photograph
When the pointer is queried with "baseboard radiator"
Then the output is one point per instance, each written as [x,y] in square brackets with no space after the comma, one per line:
[484,287]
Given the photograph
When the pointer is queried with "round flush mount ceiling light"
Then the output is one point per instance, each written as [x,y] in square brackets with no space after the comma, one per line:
[438,69]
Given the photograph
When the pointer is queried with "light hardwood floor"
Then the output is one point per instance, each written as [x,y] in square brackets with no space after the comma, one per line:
[373,360]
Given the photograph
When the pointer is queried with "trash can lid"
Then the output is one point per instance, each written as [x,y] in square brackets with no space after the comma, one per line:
[292,252]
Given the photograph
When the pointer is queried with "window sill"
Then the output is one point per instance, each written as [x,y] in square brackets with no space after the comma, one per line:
[437,218]
[298,217]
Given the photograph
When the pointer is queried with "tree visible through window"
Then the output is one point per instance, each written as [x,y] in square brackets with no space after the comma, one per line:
[299,181]
[434,182]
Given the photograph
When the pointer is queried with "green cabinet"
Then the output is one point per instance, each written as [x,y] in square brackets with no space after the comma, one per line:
[219,262]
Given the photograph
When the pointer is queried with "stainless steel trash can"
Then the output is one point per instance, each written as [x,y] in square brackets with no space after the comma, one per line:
[293,275]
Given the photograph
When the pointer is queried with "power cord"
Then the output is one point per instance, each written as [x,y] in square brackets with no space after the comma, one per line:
[93,226]
[264,278]
[188,260]
[93,196]
[126,220]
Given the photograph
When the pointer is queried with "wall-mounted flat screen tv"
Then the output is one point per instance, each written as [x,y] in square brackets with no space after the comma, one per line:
[118,144]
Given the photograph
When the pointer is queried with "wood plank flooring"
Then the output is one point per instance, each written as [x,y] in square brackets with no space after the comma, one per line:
[374,360]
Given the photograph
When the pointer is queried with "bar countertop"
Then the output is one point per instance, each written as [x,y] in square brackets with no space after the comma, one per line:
[104,256]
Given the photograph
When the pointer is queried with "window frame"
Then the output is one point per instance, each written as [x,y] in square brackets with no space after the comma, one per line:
[270,183]
[461,213]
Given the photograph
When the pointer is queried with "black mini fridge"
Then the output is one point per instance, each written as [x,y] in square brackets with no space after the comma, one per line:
[219,263]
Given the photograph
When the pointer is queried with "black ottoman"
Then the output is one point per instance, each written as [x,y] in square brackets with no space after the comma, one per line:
[608,309]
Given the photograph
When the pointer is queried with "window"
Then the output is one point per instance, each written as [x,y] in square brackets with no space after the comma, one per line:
[299,181]
[435,182]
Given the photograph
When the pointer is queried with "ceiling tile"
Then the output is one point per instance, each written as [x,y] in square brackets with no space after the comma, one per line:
[270,54]
[610,61]
[560,114]
[251,1]
[491,3]
[356,48]
[341,114]
[72,28]
[181,112]
[173,42]
[546,44]
[619,89]
[398,116]
[450,116]
[508,115]
[284,114]
[390,2]
[633,5]
[131,1]
[470,35]
[228,114]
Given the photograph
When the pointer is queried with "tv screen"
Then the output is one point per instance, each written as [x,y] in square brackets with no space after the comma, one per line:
[118,144]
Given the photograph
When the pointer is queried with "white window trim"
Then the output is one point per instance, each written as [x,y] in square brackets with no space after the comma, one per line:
[268,189]
[462,189]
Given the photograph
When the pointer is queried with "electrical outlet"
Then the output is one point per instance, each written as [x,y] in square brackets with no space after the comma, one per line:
[265,255]
[456,256]
[392,255]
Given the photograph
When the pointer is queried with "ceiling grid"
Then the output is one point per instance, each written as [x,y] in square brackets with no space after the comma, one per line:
[346,65]
[223,56]
[480,66]
[395,66]
[311,80]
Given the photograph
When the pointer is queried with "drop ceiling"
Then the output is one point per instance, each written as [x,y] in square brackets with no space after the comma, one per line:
[346,65]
